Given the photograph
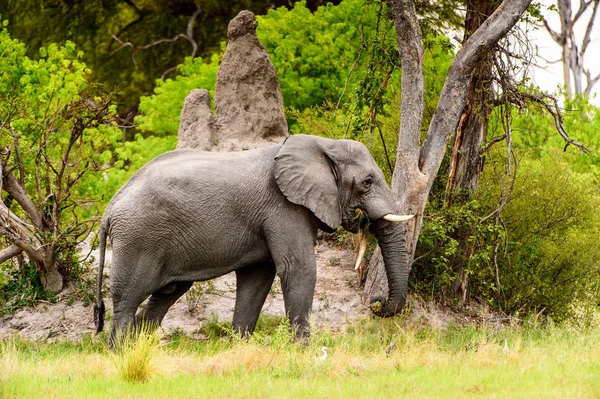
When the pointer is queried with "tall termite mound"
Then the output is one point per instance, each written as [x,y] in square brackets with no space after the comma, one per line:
[248,102]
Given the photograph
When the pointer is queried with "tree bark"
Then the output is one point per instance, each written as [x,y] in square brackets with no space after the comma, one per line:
[417,166]
[466,163]
[10,252]
[573,55]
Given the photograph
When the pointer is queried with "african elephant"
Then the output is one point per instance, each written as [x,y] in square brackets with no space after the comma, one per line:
[190,215]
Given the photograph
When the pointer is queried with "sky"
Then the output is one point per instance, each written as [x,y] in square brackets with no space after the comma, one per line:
[549,76]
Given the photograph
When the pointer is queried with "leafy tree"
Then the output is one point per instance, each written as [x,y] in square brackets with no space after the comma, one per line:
[54,133]
[418,161]
[313,52]
[548,262]
[161,111]
[130,44]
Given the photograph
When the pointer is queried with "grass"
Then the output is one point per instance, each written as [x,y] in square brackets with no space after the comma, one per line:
[374,358]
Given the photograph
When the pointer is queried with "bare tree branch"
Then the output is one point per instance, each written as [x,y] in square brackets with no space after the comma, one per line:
[188,36]
[445,118]
[588,30]
[557,37]
[11,185]
[10,252]
[554,110]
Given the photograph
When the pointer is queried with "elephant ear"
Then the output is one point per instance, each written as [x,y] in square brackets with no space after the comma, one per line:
[306,175]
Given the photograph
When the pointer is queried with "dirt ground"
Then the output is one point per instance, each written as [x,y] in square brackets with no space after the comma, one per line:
[337,302]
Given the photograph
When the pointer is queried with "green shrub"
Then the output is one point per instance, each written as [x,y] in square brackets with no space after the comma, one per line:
[458,236]
[551,263]
[160,111]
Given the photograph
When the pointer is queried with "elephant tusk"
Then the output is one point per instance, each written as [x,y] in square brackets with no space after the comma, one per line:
[362,248]
[397,218]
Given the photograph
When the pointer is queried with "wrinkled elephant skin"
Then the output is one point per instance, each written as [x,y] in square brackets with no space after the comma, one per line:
[190,215]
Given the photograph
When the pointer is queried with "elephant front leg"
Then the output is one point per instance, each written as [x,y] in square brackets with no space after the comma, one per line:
[292,247]
[297,270]
[252,288]
[298,286]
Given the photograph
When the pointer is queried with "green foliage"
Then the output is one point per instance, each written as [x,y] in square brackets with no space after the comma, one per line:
[540,256]
[313,52]
[537,133]
[54,133]
[550,262]
[161,111]
[21,288]
[133,68]
[439,250]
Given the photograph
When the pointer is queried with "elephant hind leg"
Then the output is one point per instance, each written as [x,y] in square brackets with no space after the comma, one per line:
[123,320]
[160,302]
[252,288]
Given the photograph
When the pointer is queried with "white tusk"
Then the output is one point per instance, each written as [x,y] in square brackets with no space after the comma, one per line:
[362,248]
[397,218]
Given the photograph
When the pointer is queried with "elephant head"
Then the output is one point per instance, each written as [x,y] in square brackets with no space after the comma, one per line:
[334,178]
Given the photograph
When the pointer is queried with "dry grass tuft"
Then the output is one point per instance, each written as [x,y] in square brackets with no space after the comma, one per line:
[134,358]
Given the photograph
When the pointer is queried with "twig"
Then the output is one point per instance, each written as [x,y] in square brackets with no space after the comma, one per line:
[188,36]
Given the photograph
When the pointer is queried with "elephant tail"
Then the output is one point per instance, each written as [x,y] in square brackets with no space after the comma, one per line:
[99,307]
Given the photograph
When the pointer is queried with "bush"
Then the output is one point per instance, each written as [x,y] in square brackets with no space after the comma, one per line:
[551,262]
[55,137]
[160,111]
[440,251]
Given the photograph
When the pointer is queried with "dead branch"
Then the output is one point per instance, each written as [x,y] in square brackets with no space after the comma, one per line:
[15,224]
[12,186]
[554,110]
[10,252]
[513,95]
[188,36]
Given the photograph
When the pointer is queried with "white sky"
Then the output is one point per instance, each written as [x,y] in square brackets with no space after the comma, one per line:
[551,76]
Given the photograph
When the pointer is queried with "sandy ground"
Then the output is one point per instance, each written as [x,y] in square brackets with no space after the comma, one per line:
[337,303]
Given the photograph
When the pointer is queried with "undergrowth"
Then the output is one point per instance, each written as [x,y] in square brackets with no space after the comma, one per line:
[373,357]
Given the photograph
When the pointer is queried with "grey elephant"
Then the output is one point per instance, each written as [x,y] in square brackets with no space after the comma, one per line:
[190,215]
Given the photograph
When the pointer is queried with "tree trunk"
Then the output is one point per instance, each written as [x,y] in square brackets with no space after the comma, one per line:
[573,52]
[417,165]
[466,163]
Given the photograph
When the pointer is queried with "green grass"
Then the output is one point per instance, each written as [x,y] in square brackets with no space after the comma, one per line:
[374,358]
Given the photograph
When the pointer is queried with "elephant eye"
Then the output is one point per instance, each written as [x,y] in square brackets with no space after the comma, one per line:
[367,182]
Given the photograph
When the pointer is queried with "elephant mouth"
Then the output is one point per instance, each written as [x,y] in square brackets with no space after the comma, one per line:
[355,221]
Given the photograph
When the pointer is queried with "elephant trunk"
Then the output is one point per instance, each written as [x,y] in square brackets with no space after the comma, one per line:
[395,257]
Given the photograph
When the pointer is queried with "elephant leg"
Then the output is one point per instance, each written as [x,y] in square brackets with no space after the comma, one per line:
[160,302]
[252,288]
[296,265]
[123,319]
[298,290]
[134,277]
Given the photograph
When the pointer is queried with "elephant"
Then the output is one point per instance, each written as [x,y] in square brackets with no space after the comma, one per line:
[190,215]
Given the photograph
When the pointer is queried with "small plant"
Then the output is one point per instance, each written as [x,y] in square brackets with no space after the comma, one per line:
[333,261]
[197,291]
[22,288]
[133,357]
[213,329]
[325,299]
